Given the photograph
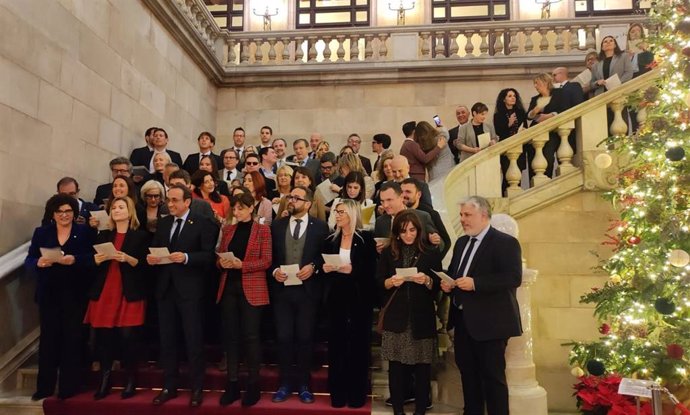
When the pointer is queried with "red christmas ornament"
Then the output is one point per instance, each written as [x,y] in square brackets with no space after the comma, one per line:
[634,240]
[686,51]
[604,329]
[675,351]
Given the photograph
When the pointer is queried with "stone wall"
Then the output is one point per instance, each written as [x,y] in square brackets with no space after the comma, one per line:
[81,81]
[559,242]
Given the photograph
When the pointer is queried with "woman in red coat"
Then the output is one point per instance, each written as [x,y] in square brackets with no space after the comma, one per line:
[242,293]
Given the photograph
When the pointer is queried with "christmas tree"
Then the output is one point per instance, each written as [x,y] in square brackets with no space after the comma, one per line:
[644,307]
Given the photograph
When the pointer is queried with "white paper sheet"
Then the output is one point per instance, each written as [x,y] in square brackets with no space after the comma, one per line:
[384,241]
[332,259]
[483,140]
[406,273]
[613,82]
[291,271]
[226,255]
[162,253]
[635,387]
[445,277]
[107,249]
[52,254]
[324,190]
[103,219]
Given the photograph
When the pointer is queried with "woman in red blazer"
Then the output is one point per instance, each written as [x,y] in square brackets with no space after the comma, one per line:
[242,293]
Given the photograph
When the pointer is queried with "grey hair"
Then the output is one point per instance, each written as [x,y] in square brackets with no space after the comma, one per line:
[478,203]
[149,185]
[121,160]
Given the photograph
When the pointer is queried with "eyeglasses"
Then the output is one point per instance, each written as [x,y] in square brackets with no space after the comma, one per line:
[65,212]
[326,167]
[150,196]
[251,163]
[339,212]
[230,157]
[120,171]
[296,198]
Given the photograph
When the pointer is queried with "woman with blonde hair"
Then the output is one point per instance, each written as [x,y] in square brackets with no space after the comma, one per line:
[546,104]
[347,163]
[283,182]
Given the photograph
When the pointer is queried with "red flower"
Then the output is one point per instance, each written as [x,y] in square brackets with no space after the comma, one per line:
[601,393]
[604,329]
[675,351]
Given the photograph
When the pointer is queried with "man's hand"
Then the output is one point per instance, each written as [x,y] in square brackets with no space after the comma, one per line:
[379,247]
[280,276]
[153,260]
[446,287]
[329,268]
[177,257]
[465,283]
[225,263]
[305,272]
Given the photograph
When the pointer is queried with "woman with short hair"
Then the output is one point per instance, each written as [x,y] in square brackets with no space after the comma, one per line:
[468,134]
[153,198]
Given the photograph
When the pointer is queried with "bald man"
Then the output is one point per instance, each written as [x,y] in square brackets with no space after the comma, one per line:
[314,140]
[572,95]
[401,171]
[462,114]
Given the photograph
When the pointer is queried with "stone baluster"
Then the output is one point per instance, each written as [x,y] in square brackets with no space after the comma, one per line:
[383,49]
[368,49]
[469,46]
[565,151]
[286,48]
[514,44]
[258,53]
[311,51]
[513,174]
[425,44]
[231,52]
[454,47]
[618,126]
[484,46]
[244,51]
[299,53]
[498,43]
[539,163]
[574,39]
[543,41]
[354,48]
[271,49]
[560,44]
[529,46]
[440,49]
[590,43]
[327,48]
[341,48]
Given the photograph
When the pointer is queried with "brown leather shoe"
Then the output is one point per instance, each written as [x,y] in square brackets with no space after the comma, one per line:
[165,396]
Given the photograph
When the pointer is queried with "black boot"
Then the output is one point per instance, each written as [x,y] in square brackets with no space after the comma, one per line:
[130,388]
[252,395]
[104,388]
[231,394]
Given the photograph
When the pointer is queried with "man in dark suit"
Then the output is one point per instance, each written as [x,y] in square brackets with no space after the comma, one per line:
[70,187]
[380,143]
[191,240]
[487,268]
[400,167]
[297,239]
[206,143]
[572,95]
[462,114]
[143,155]
[119,166]
[412,195]
[355,141]
[158,143]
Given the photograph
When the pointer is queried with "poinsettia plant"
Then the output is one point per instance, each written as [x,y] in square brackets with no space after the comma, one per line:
[598,395]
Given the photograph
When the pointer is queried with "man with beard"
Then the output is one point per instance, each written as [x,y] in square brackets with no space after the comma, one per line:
[297,240]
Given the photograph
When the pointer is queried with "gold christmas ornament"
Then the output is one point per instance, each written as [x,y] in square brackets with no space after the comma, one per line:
[577,372]
[679,258]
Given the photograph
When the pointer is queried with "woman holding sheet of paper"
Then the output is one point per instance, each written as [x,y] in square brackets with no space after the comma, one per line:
[118,293]
[60,257]
[546,104]
[242,293]
[471,136]
[354,189]
[409,319]
[612,61]
[350,295]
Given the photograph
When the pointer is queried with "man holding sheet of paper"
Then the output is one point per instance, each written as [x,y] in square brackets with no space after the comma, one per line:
[296,290]
[487,268]
[190,239]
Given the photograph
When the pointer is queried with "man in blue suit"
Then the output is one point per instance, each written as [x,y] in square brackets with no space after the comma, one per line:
[487,268]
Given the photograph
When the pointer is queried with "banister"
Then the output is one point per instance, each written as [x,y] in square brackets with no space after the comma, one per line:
[13,260]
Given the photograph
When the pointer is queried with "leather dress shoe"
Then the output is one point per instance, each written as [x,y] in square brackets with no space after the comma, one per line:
[38,395]
[281,394]
[305,396]
[197,398]
[165,396]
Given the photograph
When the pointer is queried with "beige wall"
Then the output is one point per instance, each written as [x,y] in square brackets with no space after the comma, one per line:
[558,241]
[338,110]
[81,80]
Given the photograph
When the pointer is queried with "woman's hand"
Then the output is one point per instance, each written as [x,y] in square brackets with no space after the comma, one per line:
[441,142]
[601,82]
[236,263]
[120,256]
[44,262]
[329,268]
[100,258]
[396,280]
[419,278]
[345,269]
[66,260]
[93,222]
[285,214]
[225,263]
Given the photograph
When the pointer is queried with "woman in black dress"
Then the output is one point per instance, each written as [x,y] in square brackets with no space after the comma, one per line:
[510,115]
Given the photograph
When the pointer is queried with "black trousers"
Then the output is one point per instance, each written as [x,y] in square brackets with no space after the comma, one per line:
[61,345]
[349,342]
[482,367]
[399,380]
[190,315]
[240,321]
[108,340]
[295,317]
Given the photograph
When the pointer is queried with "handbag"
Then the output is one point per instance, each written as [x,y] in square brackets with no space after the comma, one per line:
[382,312]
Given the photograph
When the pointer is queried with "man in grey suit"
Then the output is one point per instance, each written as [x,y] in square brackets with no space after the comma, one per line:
[393,203]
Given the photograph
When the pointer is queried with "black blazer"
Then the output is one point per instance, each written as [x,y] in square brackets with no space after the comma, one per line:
[555,105]
[363,259]
[452,136]
[572,95]
[366,163]
[136,244]
[316,233]
[102,192]
[491,311]
[191,163]
[198,240]
[413,302]
[501,122]
[440,227]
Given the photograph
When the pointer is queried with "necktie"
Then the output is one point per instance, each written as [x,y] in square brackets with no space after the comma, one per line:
[229,176]
[295,234]
[176,233]
[466,258]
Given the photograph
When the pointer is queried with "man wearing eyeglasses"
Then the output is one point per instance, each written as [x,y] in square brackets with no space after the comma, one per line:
[252,163]
[119,166]
[70,187]
[297,239]
[230,171]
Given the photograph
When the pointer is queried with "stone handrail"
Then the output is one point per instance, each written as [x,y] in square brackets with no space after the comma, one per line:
[481,173]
